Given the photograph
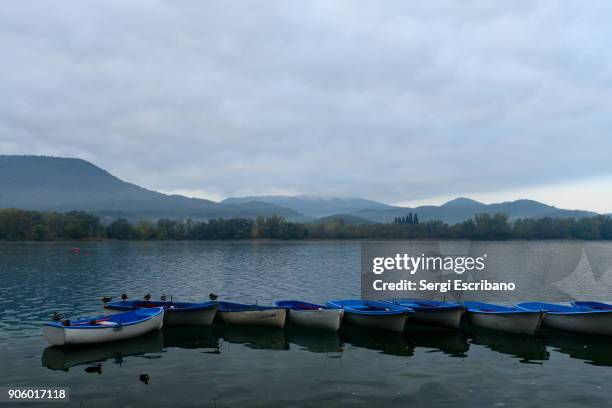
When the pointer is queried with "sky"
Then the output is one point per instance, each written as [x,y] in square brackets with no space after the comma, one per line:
[402,102]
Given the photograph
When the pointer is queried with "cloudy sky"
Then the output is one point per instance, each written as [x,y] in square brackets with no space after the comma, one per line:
[395,101]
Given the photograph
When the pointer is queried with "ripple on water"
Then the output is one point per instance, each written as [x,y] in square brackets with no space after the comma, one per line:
[224,367]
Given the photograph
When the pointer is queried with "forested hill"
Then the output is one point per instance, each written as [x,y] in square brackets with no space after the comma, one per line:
[461,209]
[64,184]
[314,206]
[457,210]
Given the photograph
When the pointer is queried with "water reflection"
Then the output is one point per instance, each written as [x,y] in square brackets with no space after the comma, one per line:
[315,341]
[253,337]
[451,343]
[386,342]
[63,358]
[528,349]
[191,337]
[595,350]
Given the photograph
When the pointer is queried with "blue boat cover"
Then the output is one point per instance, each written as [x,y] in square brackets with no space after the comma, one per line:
[424,304]
[123,319]
[297,305]
[554,308]
[369,307]
[239,307]
[174,306]
[482,307]
[593,305]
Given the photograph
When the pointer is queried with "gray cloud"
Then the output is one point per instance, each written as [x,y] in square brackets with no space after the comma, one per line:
[396,101]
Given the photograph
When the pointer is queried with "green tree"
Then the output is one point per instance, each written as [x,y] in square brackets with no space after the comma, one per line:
[120,229]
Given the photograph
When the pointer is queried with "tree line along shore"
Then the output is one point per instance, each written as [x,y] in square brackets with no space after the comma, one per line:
[25,225]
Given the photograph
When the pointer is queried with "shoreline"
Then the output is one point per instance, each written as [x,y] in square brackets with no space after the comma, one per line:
[270,240]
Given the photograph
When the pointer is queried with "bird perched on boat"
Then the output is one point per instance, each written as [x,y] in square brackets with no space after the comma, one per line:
[144,378]
[94,369]
[124,297]
[163,298]
[147,296]
[56,317]
[212,296]
[106,299]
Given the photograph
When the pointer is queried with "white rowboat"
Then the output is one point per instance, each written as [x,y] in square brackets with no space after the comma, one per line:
[104,328]
[238,314]
[503,318]
[312,315]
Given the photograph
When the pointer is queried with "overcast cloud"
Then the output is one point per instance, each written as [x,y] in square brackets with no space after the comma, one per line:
[393,101]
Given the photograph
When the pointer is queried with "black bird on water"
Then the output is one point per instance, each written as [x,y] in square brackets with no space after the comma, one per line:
[106,299]
[212,296]
[144,378]
[56,317]
[147,296]
[124,297]
[94,369]
[163,298]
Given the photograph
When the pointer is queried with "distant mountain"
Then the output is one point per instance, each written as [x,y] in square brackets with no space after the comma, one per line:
[461,209]
[463,203]
[358,210]
[314,206]
[64,184]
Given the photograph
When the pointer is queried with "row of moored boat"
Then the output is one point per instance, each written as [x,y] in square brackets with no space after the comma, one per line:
[130,318]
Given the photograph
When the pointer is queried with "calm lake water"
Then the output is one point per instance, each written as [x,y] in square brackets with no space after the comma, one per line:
[233,367]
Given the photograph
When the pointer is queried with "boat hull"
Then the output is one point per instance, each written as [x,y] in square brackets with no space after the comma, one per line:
[522,323]
[449,318]
[180,316]
[263,318]
[64,358]
[65,336]
[390,322]
[204,317]
[323,319]
[589,323]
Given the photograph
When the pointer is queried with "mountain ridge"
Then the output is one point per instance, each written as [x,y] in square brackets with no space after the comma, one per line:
[62,184]
[452,211]
[314,206]
[451,214]
[48,183]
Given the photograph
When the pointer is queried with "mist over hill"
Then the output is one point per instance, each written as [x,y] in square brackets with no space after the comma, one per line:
[314,206]
[65,184]
[461,209]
